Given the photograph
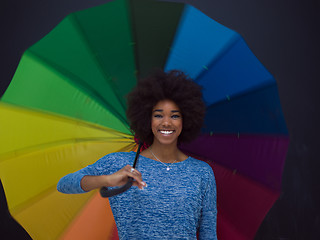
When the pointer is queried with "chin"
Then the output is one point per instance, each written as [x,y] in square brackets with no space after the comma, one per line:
[166,141]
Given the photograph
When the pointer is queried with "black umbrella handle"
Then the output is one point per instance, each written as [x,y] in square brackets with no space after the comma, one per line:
[105,192]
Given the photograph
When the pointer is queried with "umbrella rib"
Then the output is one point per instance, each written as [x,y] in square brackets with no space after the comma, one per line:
[78,27]
[79,83]
[58,117]
[134,38]
[49,190]
[134,26]
[217,57]
[31,201]
[234,171]
[23,151]
[244,93]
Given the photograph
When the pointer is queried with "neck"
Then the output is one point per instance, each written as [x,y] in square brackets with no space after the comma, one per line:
[166,153]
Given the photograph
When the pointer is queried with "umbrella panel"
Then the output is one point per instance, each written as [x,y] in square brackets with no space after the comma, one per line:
[94,221]
[153,38]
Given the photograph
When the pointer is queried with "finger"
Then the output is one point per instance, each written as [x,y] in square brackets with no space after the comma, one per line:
[140,186]
[128,168]
[137,172]
[137,178]
[132,170]
[136,175]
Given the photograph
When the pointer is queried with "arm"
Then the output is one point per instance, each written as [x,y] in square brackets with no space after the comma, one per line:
[98,175]
[89,182]
[118,178]
[208,221]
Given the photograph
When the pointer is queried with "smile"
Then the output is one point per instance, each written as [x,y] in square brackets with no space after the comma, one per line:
[166,132]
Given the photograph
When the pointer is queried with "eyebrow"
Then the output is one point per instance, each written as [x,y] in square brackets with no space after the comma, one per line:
[160,110]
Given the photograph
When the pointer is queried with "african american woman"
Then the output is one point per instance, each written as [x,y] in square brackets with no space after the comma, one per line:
[175,194]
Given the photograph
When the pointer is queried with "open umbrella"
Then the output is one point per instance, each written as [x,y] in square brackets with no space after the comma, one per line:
[65,108]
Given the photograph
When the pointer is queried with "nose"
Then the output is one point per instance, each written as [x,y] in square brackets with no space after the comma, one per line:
[166,122]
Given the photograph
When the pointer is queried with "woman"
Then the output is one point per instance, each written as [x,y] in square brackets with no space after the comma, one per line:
[175,196]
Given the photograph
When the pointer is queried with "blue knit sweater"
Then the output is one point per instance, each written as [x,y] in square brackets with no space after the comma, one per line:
[176,204]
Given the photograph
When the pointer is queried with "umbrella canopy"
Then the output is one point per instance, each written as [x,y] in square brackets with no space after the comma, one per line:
[65,108]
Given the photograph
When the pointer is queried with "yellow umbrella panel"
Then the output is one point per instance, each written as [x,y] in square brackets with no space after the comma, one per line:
[37,149]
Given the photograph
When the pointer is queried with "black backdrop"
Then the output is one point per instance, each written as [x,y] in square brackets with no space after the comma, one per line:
[283,34]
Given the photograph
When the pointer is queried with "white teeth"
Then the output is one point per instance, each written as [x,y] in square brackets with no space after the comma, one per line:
[166,132]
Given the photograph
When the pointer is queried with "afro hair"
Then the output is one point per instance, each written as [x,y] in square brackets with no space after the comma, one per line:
[175,86]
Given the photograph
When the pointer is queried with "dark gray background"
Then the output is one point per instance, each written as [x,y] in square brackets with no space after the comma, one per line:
[283,34]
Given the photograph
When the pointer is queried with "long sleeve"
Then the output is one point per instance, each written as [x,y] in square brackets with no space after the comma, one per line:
[208,220]
[71,182]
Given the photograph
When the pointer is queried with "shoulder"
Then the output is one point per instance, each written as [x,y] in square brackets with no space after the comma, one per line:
[117,156]
[199,164]
[115,159]
[202,168]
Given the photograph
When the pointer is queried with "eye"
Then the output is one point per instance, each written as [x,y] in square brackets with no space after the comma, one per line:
[175,116]
[157,116]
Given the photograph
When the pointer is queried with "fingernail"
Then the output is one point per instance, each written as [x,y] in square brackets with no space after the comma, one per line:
[144,184]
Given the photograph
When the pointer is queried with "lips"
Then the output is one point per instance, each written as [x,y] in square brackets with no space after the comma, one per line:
[166,132]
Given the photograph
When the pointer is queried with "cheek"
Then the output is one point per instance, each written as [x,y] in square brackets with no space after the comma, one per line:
[153,125]
[180,125]
[152,122]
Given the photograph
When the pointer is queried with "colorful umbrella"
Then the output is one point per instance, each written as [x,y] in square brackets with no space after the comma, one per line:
[65,108]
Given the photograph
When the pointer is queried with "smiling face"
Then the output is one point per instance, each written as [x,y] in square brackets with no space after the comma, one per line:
[166,122]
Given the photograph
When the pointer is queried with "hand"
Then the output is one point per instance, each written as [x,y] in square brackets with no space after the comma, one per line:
[120,177]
